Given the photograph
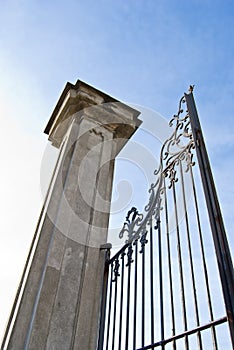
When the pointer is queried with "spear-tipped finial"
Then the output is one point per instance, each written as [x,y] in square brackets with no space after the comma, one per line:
[191,87]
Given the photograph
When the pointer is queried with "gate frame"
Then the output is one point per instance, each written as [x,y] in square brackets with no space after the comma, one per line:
[223,254]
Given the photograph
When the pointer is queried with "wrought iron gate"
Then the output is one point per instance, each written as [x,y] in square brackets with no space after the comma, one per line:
[171,285]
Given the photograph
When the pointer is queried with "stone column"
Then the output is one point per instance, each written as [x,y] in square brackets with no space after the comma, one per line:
[60,305]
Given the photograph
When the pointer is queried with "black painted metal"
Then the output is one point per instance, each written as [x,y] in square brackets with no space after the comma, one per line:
[185,334]
[152,281]
[161,292]
[216,220]
[104,296]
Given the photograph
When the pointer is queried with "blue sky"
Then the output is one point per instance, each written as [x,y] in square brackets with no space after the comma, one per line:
[141,52]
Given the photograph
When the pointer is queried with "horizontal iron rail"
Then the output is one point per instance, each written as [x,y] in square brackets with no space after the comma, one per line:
[109,262]
[184,334]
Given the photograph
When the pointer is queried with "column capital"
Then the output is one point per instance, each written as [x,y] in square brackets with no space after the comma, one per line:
[85,100]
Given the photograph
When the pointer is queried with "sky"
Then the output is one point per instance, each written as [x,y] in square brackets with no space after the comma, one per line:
[142,52]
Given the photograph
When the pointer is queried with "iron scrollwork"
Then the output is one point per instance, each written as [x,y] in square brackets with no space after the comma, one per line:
[178,147]
[129,255]
[143,241]
[116,270]
[132,221]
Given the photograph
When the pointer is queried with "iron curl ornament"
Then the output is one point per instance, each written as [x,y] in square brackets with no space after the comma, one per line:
[177,148]
[133,220]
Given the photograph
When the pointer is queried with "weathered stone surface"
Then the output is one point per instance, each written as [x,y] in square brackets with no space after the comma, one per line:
[60,307]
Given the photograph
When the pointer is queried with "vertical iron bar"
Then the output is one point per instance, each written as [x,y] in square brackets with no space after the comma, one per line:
[169,265]
[180,265]
[115,302]
[129,254]
[160,281]
[109,308]
[203,260]
[143,241]
[151,281]
[216,220]
[135,295]
[121,300]
[143,299]
[190,257]
[104,297]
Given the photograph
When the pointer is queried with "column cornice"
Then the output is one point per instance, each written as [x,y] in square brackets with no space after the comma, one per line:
[82,98]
